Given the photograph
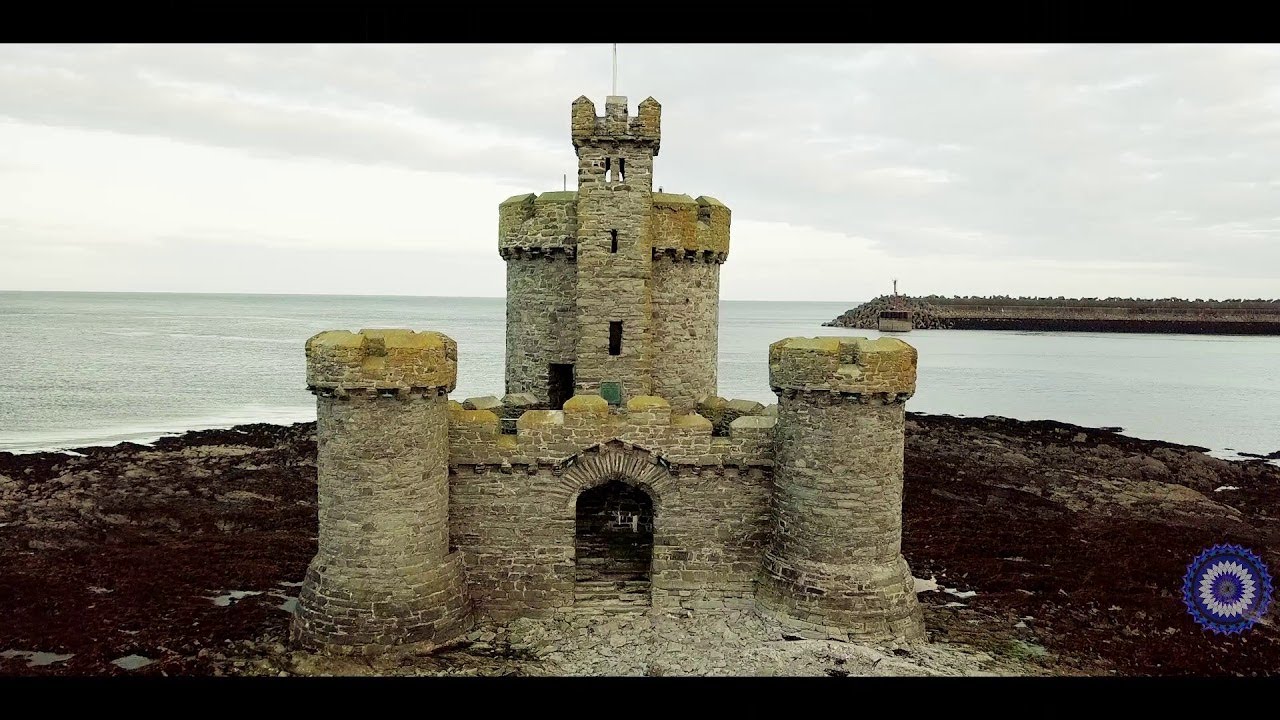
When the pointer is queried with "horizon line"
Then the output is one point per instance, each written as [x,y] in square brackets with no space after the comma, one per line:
[500,297]
[367,295]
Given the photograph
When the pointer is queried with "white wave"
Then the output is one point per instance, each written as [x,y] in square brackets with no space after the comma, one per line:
[241,338]
[145,434]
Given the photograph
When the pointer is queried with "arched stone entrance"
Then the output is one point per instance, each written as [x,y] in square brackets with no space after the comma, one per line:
[616,506]
[613,547]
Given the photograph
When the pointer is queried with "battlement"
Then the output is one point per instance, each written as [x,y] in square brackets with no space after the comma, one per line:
[884,367]
[647,421]
[722,413]
[615,125]
[339,361]
[534,225]
[683,228]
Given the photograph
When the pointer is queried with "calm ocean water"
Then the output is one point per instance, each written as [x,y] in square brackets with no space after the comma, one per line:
[98,368]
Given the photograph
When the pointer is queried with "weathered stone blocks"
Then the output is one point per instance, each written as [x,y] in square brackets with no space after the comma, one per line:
[484,402]
[835,562]
[613,252]
[851,365]
[383,576]
[723,412]
[516,404]
[339,360]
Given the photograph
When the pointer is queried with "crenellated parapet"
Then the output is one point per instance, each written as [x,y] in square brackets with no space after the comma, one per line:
[882,370]
[681,229]
[552,436]
[383,361]
[532,225]
[587,127]
[722,412]
[687,229]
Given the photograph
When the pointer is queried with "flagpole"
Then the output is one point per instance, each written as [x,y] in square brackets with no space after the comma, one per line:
[615,68]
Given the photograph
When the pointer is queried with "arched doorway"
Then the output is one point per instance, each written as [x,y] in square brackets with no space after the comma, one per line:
[613,547]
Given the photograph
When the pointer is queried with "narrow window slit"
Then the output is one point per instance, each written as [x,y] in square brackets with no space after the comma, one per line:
[615,337]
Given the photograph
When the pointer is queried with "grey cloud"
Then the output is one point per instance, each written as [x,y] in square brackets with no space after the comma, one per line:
[1157,154]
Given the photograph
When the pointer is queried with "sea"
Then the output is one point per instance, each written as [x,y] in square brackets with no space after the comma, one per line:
[80,369]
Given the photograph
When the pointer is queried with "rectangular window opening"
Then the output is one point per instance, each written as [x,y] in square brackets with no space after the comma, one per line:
[622,169]
[615,337]
[613,241]
[559,384]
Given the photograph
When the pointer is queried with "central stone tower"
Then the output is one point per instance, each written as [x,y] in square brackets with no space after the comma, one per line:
[613,289]
[615,263]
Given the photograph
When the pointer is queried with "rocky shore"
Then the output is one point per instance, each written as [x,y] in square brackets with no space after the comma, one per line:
[1039,548]
[867,315]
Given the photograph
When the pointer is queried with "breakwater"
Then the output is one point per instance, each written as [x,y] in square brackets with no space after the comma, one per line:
[1226,317]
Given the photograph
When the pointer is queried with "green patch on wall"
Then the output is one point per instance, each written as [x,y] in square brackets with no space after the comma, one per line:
[612,392]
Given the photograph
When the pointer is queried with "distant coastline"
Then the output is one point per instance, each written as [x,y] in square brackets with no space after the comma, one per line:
[1124,315]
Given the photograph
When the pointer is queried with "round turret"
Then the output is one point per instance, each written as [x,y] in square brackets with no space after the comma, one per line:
[383,575]
[835,567]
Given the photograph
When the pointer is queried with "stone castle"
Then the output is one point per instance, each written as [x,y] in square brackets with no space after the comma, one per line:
[611,476]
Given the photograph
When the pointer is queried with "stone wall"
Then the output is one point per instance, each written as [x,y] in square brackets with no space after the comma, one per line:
[383,575]
[686,322]
[614,285]
[835,566]
[618,252]
[538,224]
[688,239]
[516,532]
[429,513]
[542,320]
[513,509]
[684,227]
[552,436]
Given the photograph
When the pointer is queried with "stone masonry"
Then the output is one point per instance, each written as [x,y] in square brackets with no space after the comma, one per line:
[835,562]
[436,514]
[614,251]
[383,575]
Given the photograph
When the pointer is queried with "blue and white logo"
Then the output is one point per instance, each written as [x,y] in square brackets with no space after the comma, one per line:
[1227,589]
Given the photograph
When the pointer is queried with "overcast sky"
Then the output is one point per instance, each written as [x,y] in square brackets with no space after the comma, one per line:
[1077,170]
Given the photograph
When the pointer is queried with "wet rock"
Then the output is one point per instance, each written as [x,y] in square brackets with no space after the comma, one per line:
[132,662]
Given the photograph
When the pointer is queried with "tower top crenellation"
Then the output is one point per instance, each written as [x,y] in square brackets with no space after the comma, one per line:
[616,125]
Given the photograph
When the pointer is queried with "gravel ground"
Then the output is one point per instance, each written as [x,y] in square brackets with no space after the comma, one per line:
[732,643]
